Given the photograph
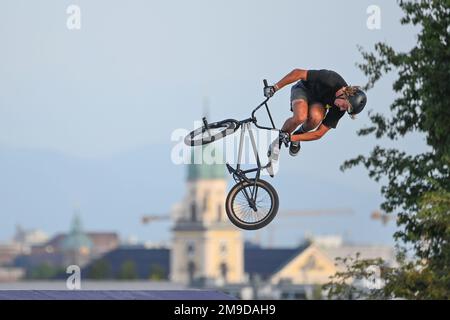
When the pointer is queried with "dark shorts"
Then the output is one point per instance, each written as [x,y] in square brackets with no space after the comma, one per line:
[332,114]
[299,91]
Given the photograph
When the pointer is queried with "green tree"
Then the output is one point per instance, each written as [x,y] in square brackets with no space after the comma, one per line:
[417,186]
[156,272]
[45,271]
[100,269]
[128,271]
[344,284]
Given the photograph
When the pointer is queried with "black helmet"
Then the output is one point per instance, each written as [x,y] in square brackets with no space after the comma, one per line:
[358,101]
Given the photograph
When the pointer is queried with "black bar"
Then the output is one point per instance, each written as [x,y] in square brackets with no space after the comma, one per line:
[228,309]
[265,128]
[270,116]
[259,106]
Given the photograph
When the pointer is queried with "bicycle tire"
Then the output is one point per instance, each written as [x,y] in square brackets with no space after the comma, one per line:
[230,205]
[225,127]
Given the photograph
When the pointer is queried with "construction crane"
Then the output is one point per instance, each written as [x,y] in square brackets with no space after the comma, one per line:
[152,218]
[286,213]
[301,213]
[314,213]
[383,217]
[174,212]
[271,228]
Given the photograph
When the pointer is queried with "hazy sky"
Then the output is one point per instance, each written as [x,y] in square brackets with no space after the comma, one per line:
[137,70]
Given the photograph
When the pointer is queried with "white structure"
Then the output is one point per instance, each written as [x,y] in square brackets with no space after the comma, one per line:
[205,245]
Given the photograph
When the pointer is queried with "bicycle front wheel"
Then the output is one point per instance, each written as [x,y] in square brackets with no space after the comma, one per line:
[240,211]
[213,132]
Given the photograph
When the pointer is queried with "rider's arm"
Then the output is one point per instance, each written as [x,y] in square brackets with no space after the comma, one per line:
[310,136]
[293,76]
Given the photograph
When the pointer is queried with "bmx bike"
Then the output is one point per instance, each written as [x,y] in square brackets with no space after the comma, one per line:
[252,203]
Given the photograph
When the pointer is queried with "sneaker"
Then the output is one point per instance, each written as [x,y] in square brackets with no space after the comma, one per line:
[294,148]
[270,169]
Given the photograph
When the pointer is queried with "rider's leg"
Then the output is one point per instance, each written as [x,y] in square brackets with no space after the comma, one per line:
[300,114]
[316,113]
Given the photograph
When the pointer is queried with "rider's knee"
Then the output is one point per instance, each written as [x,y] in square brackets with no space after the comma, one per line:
[300,109]
[315,117]
[299,118]
[300,115]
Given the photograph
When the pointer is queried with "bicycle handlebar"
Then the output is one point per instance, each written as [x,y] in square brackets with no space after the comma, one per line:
[267,108]
[259,106]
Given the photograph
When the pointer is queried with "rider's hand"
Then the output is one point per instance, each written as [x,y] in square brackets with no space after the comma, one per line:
[284,138]
[269,91]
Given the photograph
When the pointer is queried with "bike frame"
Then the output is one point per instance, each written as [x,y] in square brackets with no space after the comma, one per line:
[240,175]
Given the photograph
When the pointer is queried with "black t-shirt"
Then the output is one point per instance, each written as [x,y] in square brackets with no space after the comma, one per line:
[322,86]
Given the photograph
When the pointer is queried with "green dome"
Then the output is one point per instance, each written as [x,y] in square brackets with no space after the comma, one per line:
[76,238]
[203,171]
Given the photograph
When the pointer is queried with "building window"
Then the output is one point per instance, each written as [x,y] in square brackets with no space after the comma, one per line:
[205,201]
[300,296]
[193,211]
[311,264]
[224,270]
[190,249]
[191,271]
[223,248]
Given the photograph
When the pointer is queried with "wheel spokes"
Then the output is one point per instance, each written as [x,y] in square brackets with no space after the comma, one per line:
[244,211]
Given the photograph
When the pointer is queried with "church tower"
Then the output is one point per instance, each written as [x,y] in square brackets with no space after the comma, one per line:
[77,246]
[206,246]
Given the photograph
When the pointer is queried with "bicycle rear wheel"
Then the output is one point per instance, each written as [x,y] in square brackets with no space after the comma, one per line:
[239,210]
[213,132]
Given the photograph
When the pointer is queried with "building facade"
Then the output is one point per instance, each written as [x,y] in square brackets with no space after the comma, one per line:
[205,245]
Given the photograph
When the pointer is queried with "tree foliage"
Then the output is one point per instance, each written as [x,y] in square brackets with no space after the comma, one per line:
[417,187]
[344,284]
[128,271]
[44,271]
[100,269]
[157,272]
